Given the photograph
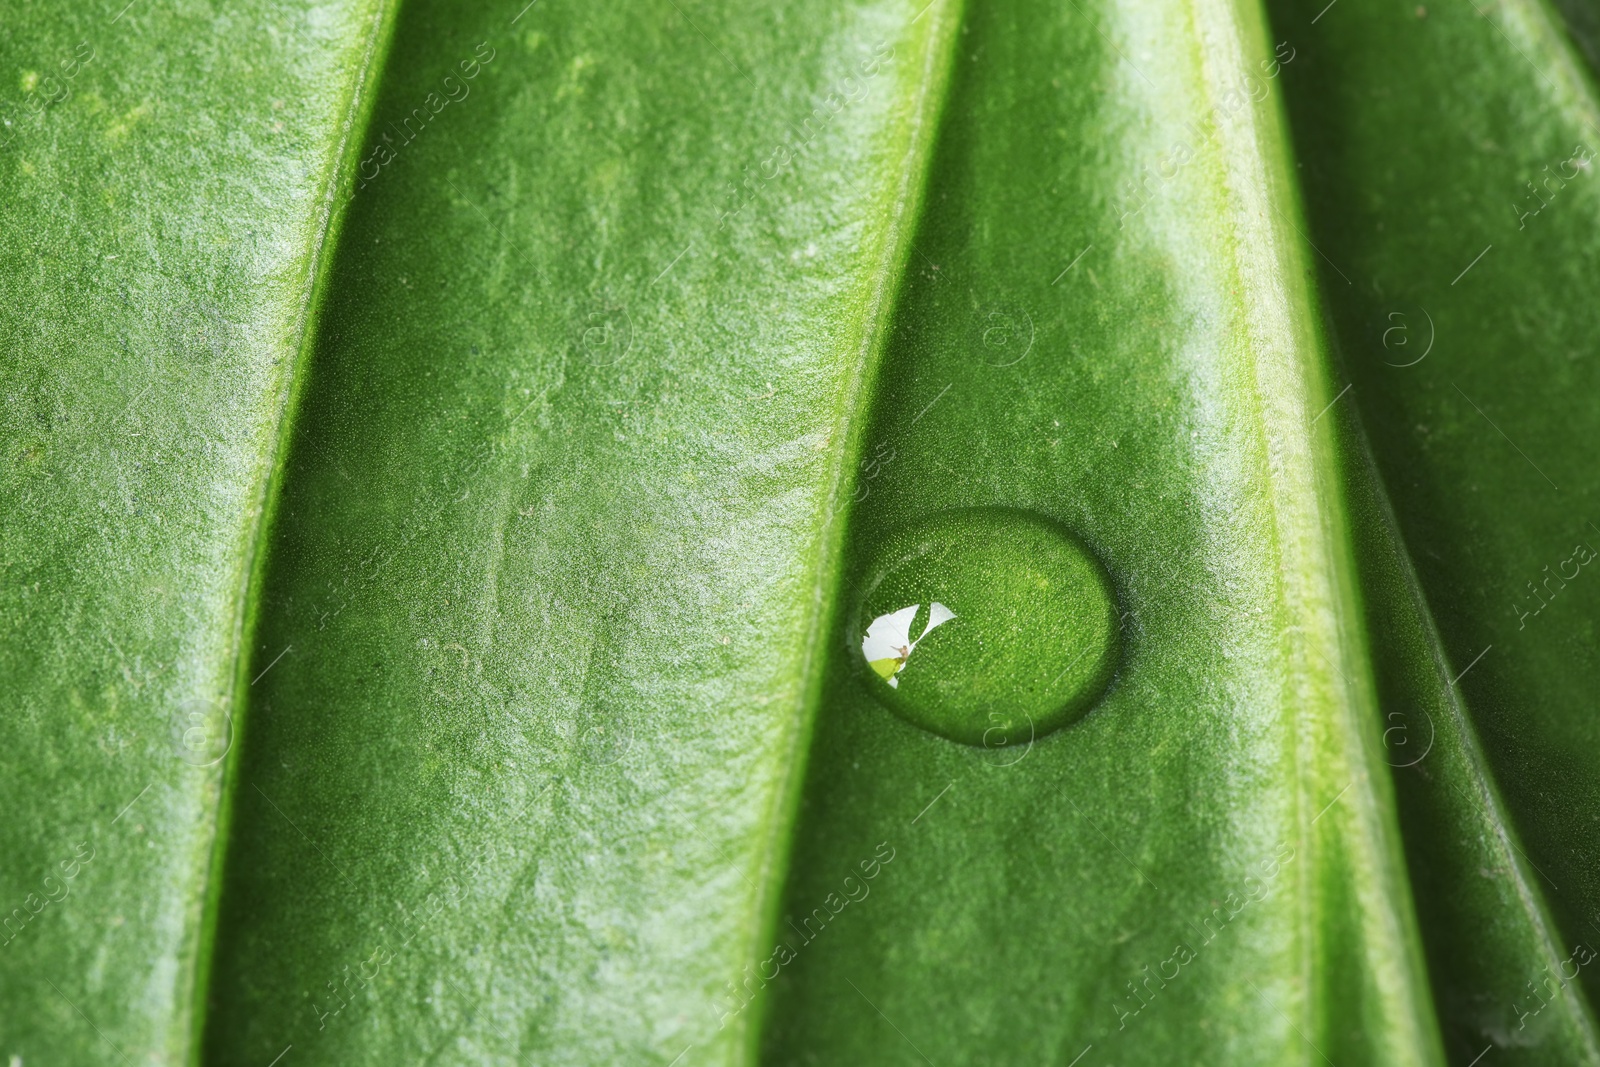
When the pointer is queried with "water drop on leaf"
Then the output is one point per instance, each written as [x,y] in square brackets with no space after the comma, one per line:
[985,624]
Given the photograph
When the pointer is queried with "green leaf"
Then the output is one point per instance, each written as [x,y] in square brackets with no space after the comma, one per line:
[555,536]
[168,183]
[453,453]
[1476,408]
[1206,868]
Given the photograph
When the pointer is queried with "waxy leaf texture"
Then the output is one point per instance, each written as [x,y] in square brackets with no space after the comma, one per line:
[506,509]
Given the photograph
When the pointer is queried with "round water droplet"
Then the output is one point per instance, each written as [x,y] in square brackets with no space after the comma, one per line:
[988,626]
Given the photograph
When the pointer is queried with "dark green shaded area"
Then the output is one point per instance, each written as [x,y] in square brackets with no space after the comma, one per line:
[1460,236]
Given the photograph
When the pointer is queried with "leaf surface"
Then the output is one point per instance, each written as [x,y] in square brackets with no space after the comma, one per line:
[168,178]
[1206,867]
[444,479]
[1467,333]
[556,536]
